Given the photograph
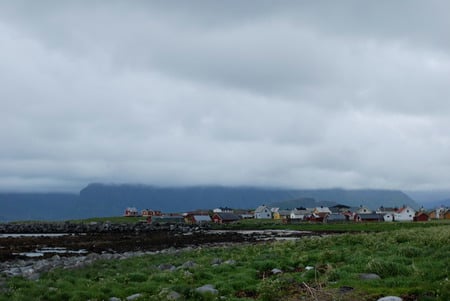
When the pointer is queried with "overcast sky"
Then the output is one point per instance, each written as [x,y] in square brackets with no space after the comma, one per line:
[301,94]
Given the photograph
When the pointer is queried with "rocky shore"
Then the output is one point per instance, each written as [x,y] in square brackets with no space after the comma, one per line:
[30,249]
[95,227]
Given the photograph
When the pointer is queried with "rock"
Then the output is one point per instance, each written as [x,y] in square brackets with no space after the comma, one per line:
[369,276]
[230,261]
[56,258]
[166,267]
[276,271]
[390,298]
[134,297]
[173,296]
[216,261]
[114,299]
[309,268]
[345,289]
[188,264]
[207,288]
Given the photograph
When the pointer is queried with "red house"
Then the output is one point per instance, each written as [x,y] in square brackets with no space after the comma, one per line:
[131,211]
[148,212]
[421,217]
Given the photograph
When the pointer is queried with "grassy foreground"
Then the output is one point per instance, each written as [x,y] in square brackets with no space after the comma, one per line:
[412,263]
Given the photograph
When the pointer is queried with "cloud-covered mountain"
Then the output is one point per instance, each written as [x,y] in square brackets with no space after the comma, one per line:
[111,200]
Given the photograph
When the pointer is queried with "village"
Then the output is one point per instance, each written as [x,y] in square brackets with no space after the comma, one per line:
[321,214]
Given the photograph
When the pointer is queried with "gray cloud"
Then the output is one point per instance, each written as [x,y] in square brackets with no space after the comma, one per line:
[347,94]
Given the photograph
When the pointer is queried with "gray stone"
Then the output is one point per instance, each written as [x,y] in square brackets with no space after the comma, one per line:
[134,297]
[276,271]
[114,299]
[216,261]
[188,264]
[390,298]
[230,261]
[166,267]
[173,296]
[207,288]
[369,276]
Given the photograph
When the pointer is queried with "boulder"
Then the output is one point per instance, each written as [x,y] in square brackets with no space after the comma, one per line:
[369,276]
[390,298]
[207,289]
[133,297]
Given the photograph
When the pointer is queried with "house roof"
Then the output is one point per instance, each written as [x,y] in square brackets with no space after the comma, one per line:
[297,211]
[321,209]
[226,216]
[336,217]
[202,218]
[261,209]
[371,216]
[284,212]
[404,208]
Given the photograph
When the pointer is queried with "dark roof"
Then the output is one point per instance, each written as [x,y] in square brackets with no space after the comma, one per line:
[336,217]
[226,216]
[371,216]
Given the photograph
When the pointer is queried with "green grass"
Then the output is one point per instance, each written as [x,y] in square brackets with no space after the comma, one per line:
[413,263]
[252,224]
[112,219]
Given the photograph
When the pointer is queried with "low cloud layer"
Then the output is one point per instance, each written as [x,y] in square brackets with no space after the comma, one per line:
[337,94]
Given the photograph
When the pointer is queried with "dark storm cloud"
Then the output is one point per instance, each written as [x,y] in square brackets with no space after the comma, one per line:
[297,94]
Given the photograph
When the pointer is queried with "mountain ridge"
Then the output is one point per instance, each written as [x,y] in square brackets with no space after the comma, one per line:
[98,199]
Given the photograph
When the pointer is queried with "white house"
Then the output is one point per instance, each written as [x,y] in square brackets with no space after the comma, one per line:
[387,212]
[405,213]
[299,213]
[263,212]
[363,210]
[321,209]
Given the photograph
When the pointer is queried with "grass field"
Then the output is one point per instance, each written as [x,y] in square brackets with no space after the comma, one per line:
[412,260]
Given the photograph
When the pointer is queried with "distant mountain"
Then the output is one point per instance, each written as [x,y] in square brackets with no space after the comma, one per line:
[97,200]
[38,206]
[431,199]
[302,202]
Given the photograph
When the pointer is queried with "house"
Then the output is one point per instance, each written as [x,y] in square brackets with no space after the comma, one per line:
[335,218]
[321,209]
[197,219]
[131,211]
[148,212]
[421,217]
[263,212]
[299,213]
[339,208]
[225,217]
[387,212]
[388,217]
[438,213]
[446,214]
[369,217]
[405,213]
[281,214]
[363,210]
[223,209]
[317,217]
[166,219]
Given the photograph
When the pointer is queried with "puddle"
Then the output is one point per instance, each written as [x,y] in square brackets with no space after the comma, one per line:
[32,235]
[43,251]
